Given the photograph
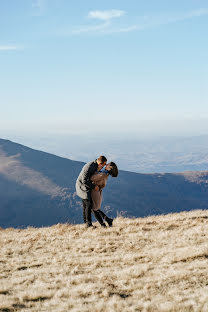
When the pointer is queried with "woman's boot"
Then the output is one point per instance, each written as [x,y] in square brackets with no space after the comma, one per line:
[109,221]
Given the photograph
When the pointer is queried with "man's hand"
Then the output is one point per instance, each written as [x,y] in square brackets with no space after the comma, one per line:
[96,188]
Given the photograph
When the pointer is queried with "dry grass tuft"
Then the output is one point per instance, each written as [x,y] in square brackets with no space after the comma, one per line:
[149,264]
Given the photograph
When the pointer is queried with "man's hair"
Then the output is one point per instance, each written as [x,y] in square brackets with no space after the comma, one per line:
[102,159]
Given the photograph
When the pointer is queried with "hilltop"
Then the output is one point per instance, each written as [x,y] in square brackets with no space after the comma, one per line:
[152,264]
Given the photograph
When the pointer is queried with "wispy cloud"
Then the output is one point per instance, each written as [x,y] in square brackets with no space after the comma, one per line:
[183,17]
[144,21]
[153,21]
[196,13]
[87,29]
[9,48]
[106,15]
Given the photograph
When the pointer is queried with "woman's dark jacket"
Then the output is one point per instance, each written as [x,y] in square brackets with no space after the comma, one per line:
[83,184]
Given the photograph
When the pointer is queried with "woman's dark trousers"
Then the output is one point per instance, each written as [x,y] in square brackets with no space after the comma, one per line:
[102,214]
[98,216]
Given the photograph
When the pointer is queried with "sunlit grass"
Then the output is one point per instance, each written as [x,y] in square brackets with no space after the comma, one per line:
[152,264]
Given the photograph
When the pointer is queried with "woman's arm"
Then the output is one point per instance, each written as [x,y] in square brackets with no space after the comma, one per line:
[98,176]
[99,179]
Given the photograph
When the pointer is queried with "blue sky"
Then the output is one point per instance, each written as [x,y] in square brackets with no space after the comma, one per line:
[66,62]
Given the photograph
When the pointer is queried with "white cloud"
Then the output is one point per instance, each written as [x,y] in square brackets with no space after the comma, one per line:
[126,29]
[153,21]
[87,29]
[199,12]
[144,23]
[182,17]
[8,48]
[106,15]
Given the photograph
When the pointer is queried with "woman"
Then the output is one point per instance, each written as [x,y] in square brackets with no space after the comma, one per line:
[100,179]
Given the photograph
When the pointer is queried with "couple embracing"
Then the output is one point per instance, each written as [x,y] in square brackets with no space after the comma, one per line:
[90,182]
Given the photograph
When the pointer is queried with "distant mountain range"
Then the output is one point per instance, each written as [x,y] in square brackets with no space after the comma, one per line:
[132,153]
[38,189]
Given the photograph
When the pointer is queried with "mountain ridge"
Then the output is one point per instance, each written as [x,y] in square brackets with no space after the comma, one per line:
[38,189]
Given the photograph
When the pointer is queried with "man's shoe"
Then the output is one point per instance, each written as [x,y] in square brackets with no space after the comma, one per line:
[109,221]
[103,225]
[90,226]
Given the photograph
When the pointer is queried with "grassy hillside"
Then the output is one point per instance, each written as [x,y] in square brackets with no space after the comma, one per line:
[158,263]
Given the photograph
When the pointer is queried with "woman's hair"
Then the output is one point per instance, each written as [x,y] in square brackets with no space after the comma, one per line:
[113,169]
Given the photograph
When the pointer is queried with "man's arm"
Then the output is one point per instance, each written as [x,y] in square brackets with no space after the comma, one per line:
[87,173]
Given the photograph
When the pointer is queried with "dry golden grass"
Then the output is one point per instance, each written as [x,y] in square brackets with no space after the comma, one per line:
[159,263]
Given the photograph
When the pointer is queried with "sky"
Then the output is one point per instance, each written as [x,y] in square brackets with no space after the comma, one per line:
[86,65]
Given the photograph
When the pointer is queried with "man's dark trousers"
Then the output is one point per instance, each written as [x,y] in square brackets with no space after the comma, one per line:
[87,206]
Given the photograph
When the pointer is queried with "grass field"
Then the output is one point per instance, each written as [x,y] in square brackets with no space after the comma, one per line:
[159,263]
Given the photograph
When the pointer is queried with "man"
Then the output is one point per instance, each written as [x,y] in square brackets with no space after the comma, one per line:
[84,186]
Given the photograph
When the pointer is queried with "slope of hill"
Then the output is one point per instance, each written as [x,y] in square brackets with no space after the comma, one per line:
[38,189]
[155,264]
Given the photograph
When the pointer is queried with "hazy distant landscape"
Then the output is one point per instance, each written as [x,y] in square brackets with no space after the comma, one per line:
[147,155]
